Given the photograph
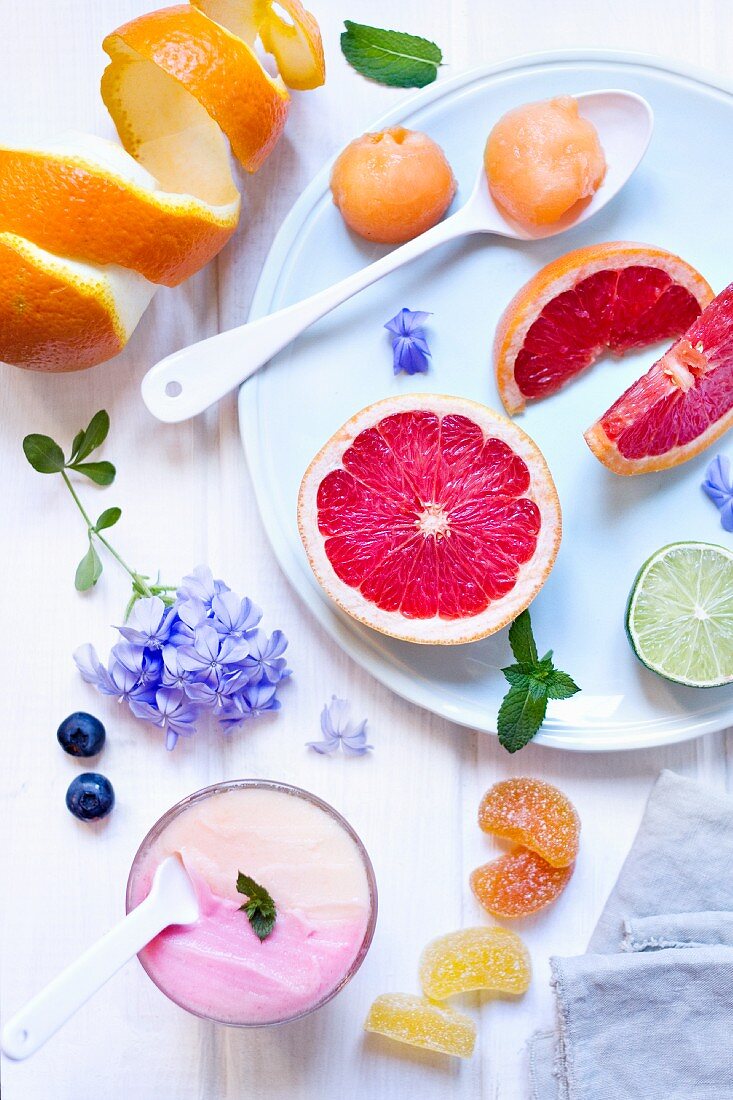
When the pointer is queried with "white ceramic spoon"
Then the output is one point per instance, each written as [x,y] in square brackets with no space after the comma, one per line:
[187,382]
[172,900]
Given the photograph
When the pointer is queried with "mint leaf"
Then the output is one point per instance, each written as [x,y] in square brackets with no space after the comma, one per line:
[533,680]
[88,571]
[559,685]
[108,518]
[103,473]
[521,639]
[259,907]
[44,454]
[91,437]
[520,717]
[394,58]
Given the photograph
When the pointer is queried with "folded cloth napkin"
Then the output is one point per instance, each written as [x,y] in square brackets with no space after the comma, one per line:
[647,1013]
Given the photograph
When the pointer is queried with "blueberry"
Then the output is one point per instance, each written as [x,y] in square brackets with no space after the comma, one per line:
[81,734]
[90,796]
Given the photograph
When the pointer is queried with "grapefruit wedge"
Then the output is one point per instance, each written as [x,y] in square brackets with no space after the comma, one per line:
[614,296]
[680,406]
[430,518]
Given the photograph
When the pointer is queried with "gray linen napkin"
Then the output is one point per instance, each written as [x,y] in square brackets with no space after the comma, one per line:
[647,1014]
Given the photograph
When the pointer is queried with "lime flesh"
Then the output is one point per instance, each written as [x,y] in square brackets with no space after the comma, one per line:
[680,614]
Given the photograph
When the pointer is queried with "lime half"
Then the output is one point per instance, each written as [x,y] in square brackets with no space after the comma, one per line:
[680,614]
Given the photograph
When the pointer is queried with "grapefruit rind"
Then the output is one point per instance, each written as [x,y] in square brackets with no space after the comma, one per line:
[562,275]
[632,631]
[607,453]
[434,631]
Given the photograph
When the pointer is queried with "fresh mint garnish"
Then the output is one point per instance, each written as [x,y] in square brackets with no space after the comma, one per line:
[533,680]
[390,57]
[47,457]
[260,908]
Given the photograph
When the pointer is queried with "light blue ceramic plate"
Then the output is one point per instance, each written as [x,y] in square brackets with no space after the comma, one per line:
[679,199]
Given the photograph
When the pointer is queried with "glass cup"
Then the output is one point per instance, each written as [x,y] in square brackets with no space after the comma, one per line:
[137,890]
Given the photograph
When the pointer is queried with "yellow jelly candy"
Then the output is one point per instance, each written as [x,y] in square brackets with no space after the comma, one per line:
[475,958]
[413,1020]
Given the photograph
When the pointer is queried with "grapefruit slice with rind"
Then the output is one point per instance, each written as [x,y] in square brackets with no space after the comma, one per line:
[679,618]
[430,518]
[86,199]
[615,296]
[680,406]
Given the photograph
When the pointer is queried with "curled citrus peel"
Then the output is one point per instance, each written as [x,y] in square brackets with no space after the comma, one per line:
[95,226]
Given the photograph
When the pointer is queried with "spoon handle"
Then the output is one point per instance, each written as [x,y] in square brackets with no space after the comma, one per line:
[188,381]
[30,1028]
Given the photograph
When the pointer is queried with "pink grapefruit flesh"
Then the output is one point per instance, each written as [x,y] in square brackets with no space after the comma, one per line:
[615,296]
[430,518]
[680,406]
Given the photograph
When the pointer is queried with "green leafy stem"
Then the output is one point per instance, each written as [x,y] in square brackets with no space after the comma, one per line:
[47,457]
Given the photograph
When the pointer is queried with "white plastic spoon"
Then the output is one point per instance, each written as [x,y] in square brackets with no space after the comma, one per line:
[172,900]
[187,382]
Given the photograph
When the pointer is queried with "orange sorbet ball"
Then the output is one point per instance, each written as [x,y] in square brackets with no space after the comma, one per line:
[541,159]
[393,185]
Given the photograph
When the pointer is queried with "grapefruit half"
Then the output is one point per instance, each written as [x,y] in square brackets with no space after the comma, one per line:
[614,296]
[430,518]
[680,406]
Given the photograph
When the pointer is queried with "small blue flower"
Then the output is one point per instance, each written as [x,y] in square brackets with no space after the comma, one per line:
[234,617]
[410,351]
[171,711]
[200,585]
[337,730]
[265,658]
[717,485]
[149,623]
[203,656]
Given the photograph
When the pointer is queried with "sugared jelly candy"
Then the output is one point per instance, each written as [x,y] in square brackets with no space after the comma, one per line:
[414,1020]
[536,815]
[474,958]
[518,884]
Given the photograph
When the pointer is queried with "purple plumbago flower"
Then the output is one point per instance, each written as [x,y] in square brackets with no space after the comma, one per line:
[410,351]
[149,623]
[338,730]
[204,656]
[234,617]
[201,586]
[265,658]
[717,485]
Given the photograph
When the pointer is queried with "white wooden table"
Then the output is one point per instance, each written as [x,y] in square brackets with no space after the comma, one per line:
[186,498]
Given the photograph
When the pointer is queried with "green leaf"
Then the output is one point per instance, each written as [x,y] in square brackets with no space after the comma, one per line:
[91,437]
[108,518]
[521,639]
[78,440]
[390,57]
[88,571]
[520,717]
[43,454]
[101,472]
[259,907]
[559,685]
[519,675]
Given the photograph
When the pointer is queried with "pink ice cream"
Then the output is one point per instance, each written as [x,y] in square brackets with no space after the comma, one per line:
[317,877]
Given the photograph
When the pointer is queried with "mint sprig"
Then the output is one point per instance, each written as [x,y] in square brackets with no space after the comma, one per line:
[259,907]
[47,457]
[394,58]
[533,680]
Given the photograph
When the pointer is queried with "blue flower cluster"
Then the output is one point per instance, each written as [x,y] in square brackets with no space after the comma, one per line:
[205,654]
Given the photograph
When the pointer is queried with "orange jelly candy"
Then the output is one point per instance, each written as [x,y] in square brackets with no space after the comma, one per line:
[518,884]
[534,814]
